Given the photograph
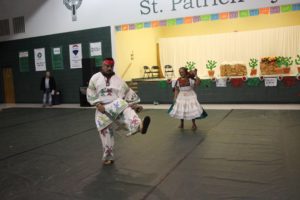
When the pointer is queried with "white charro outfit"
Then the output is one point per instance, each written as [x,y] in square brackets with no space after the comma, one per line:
[186,105]
[117,98]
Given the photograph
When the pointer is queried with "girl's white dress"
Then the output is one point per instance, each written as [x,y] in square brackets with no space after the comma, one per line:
[186,105]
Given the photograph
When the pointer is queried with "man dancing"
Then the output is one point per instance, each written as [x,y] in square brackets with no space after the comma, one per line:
[116,104]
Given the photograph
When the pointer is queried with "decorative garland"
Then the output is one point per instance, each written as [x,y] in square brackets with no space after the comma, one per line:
[279,78]
[289,81]
[211,17]
[163,84]
[244,78]
[253,82]
[236,82]
[206,83]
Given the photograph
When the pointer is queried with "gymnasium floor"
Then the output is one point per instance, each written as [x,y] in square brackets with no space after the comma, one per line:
[238,152]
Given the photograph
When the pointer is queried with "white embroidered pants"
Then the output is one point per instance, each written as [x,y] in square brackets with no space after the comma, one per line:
[129,120]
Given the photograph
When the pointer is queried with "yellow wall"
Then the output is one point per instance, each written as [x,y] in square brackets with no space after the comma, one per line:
[143,42]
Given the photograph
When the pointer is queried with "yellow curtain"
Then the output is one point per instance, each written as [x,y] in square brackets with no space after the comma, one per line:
[235,47]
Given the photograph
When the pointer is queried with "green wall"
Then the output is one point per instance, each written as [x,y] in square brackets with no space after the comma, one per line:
[67,80]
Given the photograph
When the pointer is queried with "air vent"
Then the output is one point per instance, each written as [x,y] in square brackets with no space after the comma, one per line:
[19,25]
[4,27]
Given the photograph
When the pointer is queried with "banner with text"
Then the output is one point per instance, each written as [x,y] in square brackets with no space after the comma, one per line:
[40,59]
[75,56]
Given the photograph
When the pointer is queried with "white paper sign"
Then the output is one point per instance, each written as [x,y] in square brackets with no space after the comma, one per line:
[75,56]
[23,54]
[56,51]
[270,82]
[222,82]
[40,59]
[96,49]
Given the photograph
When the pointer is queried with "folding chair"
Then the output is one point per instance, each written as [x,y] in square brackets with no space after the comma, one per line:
[155,71]
[169,72]
[147,72]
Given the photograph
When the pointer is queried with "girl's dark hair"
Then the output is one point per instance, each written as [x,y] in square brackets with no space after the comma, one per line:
[184,68]
[189,75]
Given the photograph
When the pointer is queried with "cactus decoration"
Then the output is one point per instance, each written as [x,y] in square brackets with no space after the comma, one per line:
[190,65]
[297,60]
[287,61]
[280,61]
[253,63]
[211,64]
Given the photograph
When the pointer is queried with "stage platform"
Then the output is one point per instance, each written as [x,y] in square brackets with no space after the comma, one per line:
[157,90]
[55,153]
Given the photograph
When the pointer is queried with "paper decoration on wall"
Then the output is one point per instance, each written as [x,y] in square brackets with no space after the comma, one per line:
[233,70]
[57,58]
[253,63]
[40,59]
[23,61]
[276,65]
[211,65]
[253,82]
[270,82]
[75,56]
[205,83]
[289,81]
[236,82]
[163,84]
[268,65]
[96,52]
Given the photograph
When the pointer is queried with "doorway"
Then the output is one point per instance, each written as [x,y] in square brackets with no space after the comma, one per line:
[8,84]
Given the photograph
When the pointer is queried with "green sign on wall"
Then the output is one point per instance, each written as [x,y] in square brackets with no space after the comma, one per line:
[23,61]
[57,58]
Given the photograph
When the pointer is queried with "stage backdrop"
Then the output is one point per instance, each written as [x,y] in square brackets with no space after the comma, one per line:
[235,47]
